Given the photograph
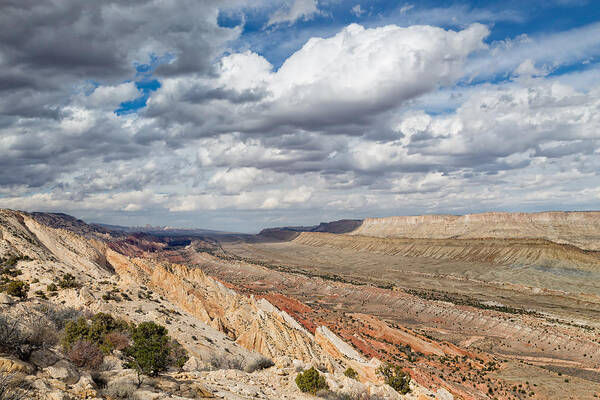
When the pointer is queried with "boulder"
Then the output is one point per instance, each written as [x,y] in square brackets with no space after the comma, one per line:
[112,363]
[201,391]
[40,385]
[147,395]
[43,358]
[195,364]
[84,388]
[57,395]
[282,362]
[383,391]
[85,296]
[300,365]
[63,371]
[6,299]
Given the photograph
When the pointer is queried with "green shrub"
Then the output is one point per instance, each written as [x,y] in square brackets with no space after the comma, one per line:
[52,287]
[75,331]
[97,332]
[311,381]
[68,281]
[149,353]
[351,373]
[103,324]
[10,271]
[12,260]
[17,288]
[395,377]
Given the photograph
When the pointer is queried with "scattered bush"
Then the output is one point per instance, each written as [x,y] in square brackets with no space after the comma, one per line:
[311,381]
[13,387]
[257,363]
[329,395]
[117,340]
[395,377]
[85,354]
[52,287]
[121,390]
[21,336]
[112,295]
[99,380]
[17,288]
[12,260]
[10,271]
[351,373]
[58,315]
[223,360]
[68,281]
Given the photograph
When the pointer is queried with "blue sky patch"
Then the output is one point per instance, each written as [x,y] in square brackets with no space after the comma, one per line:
[506,19]
[145,83]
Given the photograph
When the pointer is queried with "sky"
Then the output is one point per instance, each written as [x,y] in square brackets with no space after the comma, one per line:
[239,115]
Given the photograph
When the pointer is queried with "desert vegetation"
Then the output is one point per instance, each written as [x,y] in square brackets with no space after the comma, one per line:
[311,381]
[394,376]
[13,387]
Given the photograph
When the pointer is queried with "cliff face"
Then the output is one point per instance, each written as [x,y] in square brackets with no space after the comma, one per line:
[581,229]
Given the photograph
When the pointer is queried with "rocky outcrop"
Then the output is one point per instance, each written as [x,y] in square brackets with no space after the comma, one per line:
[581,229]
[16,239]
[10,365]
[71,248]
[254,324]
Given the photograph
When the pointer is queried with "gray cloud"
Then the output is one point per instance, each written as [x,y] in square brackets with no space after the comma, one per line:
[351,125]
